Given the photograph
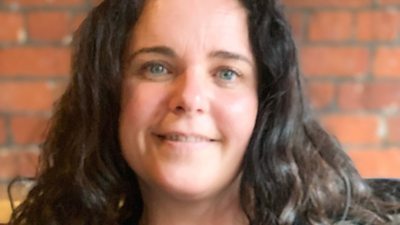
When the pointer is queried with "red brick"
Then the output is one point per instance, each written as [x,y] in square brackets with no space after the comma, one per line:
[380,25]
[30,61]
[330,26]
[76,21]
[2,131]
[28,129]
[58,89]
[377,162]
[16,162]
[321,94]
[11,26]
[45,2]
[394,129]
[26,96]
[386,62]
[327,3]
[7,165]
[389,2]
[48,26]
[359,96]
[296,22]
[351,96]
[334,61]
[27,163]
[353,129]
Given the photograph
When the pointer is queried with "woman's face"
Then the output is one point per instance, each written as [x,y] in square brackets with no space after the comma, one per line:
[189,97]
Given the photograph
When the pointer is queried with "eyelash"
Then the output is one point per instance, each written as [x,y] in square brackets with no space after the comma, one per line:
[224,82]
[145,70]
[227,69]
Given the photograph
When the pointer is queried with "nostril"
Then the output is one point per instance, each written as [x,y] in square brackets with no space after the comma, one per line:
[179,108]
[187,103]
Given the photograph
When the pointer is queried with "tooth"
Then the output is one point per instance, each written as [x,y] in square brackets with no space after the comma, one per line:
[183,138]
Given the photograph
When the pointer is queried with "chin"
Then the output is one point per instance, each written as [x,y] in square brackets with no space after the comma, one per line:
[198,189]
[187,189]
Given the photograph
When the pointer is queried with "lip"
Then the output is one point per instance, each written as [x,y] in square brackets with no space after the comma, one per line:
[184,137]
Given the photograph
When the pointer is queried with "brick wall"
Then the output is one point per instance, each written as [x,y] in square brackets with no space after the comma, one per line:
[34,68]
[350,56]
[349,53]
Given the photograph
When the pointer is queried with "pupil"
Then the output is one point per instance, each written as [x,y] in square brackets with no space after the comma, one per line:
[227,74]
[157,69]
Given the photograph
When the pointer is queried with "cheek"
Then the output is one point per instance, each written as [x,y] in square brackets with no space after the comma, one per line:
[236,116]
[139,112]
[140,103]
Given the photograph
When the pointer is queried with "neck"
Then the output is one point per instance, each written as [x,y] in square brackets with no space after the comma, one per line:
[223,209]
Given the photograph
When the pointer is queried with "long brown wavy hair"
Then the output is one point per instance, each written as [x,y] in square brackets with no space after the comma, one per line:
[293,171]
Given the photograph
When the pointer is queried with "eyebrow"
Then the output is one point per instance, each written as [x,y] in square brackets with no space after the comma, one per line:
[166,51]
[229,55]
[163,50]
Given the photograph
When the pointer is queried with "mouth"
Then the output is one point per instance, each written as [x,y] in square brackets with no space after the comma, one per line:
[186,138]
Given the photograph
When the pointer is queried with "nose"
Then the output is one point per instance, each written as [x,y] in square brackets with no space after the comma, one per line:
[189,94]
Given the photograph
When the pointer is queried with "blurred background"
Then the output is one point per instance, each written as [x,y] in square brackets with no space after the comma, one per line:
[349,52]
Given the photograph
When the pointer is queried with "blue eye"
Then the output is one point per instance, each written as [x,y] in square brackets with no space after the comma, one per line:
[157,68]
[156,71]
[227,74]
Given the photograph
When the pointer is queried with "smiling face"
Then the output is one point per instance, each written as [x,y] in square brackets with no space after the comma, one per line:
[189,98]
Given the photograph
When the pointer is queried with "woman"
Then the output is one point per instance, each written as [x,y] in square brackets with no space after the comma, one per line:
[191,112]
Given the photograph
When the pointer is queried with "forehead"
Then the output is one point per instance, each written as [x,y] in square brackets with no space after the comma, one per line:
[192,8]
[200,23]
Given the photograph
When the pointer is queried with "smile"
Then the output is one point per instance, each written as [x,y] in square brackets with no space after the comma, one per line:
[184,138]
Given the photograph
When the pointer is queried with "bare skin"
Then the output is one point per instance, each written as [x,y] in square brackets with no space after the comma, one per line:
[189,108]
